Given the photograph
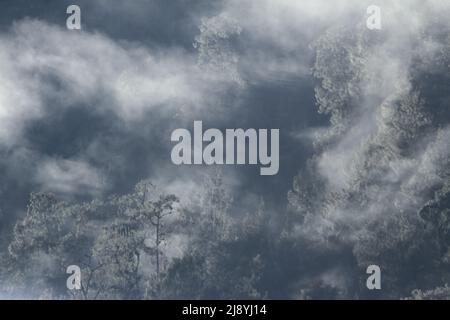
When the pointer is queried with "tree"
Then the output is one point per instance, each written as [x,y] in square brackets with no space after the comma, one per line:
[369,187]
[224,258]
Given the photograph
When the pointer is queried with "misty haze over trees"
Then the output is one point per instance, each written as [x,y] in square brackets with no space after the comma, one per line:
[375,189]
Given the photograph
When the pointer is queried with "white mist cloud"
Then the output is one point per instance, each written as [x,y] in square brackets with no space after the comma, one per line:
[69,177]
[46,69]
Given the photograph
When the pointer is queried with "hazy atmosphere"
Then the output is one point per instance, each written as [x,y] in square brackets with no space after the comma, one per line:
[87,171]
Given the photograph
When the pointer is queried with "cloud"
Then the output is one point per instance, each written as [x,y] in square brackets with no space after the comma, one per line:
[43,63]
[69,177]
